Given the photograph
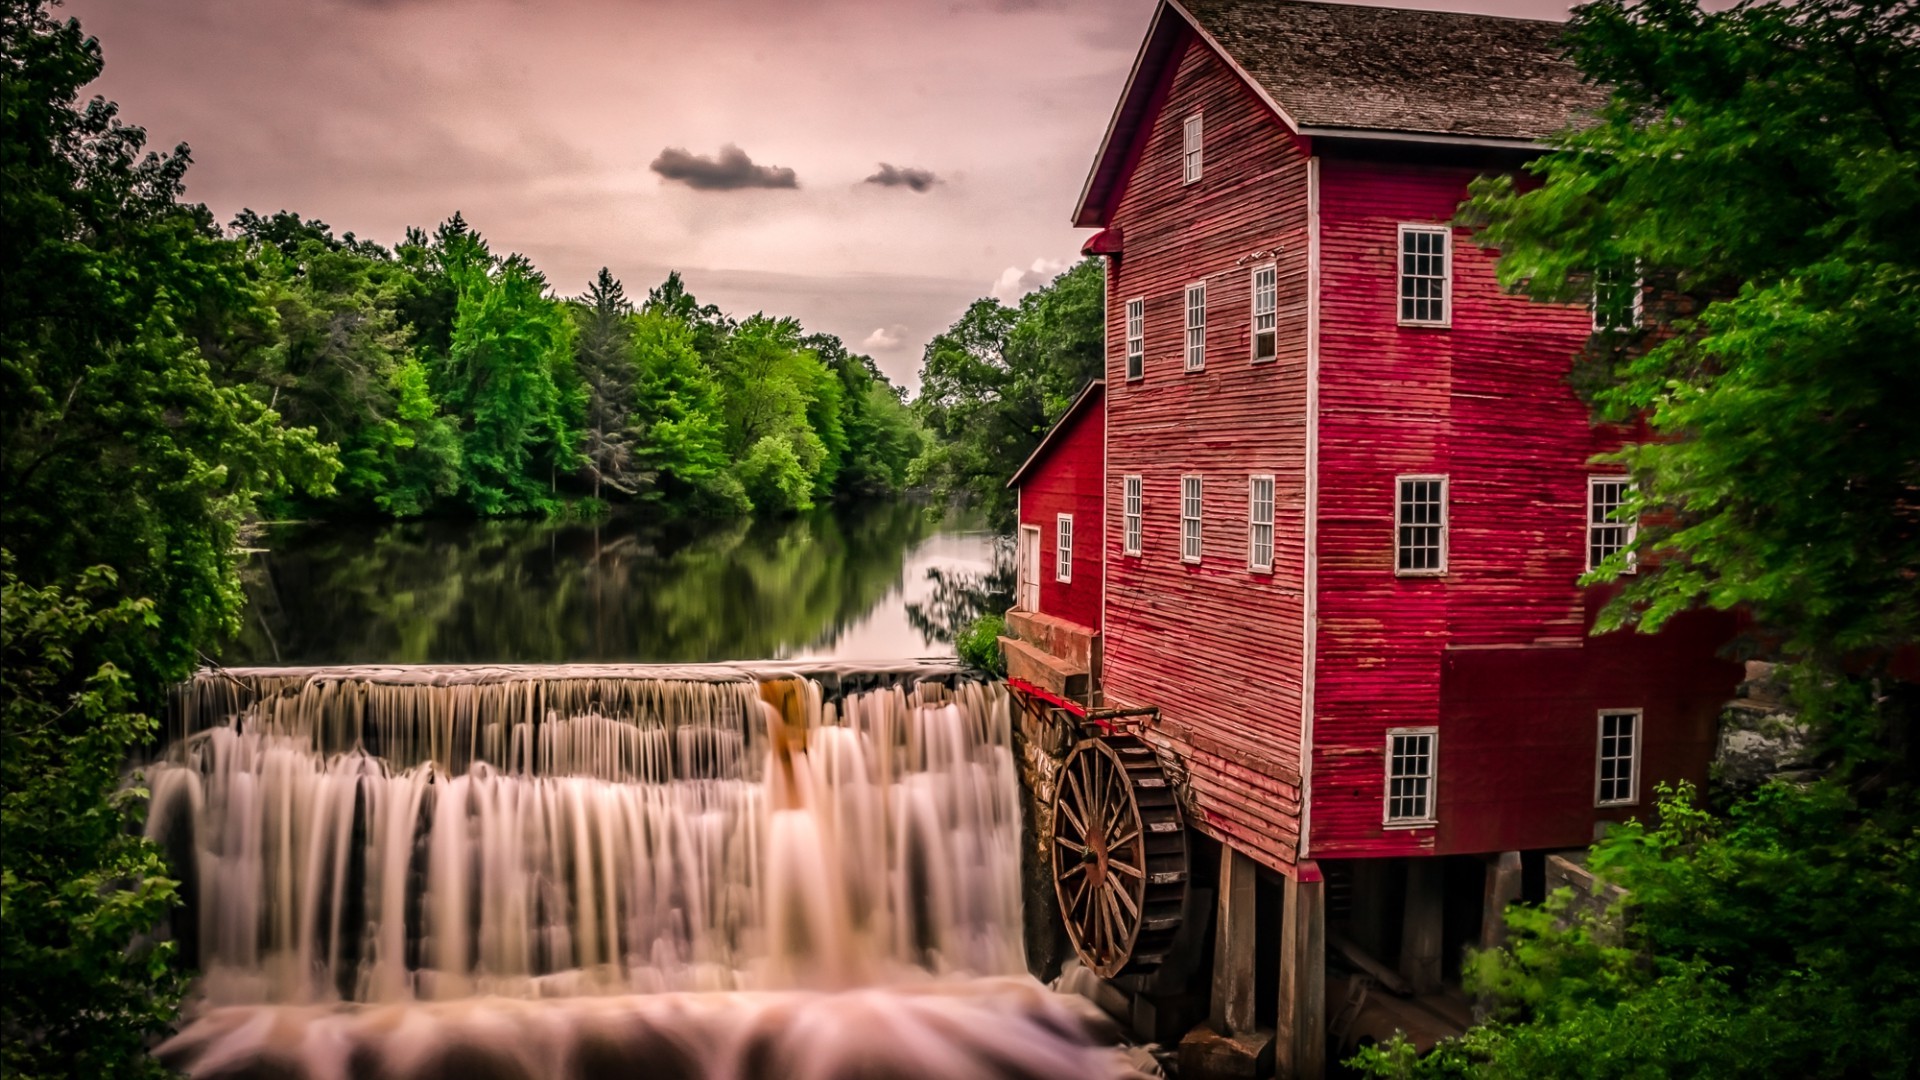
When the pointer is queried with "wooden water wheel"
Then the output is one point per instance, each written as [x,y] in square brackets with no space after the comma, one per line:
[1119,856]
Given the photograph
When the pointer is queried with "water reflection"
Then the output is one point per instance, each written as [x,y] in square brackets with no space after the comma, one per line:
[879,581]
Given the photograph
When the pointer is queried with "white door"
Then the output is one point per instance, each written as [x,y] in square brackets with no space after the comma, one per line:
[1028,596]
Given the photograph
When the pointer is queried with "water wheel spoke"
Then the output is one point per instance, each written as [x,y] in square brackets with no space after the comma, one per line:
[1132,831]
[1077,849]
[1080,796]
[1126,901]
[1076,868]
[1115,917]
[1128,869]
[1074,819]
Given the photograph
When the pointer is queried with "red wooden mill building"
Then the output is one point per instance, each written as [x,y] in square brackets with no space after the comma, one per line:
[1316,539]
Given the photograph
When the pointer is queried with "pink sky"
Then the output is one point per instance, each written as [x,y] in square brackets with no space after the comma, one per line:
[540,121]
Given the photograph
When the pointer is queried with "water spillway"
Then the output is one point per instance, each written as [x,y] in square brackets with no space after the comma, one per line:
[746,869]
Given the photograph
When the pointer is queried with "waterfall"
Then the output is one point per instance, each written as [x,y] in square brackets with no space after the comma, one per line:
[750,845]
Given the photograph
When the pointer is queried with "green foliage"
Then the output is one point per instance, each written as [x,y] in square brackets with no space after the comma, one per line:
[774,478]
[676,417]
[1778,941]
[77,887]
[993,383]
[1761,167]
[979,644]
[603,354]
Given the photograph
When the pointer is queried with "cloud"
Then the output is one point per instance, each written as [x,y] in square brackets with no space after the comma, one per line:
[1013,282]
[906,176]
[729,170]
[885,337]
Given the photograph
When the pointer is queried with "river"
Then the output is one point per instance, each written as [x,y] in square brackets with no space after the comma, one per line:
[873,581]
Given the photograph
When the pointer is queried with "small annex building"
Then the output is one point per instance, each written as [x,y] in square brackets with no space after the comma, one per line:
[1053,632]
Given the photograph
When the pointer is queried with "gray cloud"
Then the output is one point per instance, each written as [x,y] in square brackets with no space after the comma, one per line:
[729,170]
[906,176]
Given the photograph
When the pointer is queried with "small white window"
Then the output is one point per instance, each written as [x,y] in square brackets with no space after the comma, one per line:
[1426,272]
[1260,523]
[1616,781]
[1608,532]
[1130,514]
[1196,326]
[1265,302]
[1616,299]
[1190,160]
[1420,525]
[1190,519]
[1411,753]
[1063,547]
[1136,338]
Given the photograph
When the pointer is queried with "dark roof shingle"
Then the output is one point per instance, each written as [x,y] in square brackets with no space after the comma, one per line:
[1391,69]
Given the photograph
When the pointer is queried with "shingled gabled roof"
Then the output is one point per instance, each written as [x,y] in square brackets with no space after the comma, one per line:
[1348,70]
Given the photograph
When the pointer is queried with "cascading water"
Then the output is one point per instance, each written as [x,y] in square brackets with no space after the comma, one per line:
[704,872]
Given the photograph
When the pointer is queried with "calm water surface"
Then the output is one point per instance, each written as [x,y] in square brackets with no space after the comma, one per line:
[873,582]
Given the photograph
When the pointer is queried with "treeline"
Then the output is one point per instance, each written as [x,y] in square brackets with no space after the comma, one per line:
[996,380]
[451,378]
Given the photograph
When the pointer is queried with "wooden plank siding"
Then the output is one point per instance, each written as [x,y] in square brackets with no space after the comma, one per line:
[1067,481]
[1215,645]
[1495,653]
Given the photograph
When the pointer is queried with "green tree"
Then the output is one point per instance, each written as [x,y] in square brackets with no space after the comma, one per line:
[679,431]
[508,375]
[603,353]
[993,383]
[773,386]
[127,467]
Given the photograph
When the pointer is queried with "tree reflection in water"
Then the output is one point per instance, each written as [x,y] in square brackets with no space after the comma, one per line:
[624,590]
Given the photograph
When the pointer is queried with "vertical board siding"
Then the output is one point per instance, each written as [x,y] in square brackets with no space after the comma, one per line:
[1067,481]
[1495,652]
[1216,646]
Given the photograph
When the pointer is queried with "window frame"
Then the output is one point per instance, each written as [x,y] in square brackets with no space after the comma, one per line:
[1399,508]
[1401,276]
[1198,517]
[1431,802]
[1133,500]
[1254,524]
[1632,758]
[1192,149]
[1135,319]
[1632,526]
[1195,355]
[1636,312]
[1063,548]
[1272,314]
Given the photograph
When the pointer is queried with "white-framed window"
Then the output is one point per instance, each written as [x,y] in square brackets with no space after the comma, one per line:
[1190,519]
[1616,299]
[1266,302]
[1063,547]
[1196,326]
[1260,523]
[1190,157]
[1411,756]
[1617,766]
[1130,514]
[1608,533]
[1136,338]
[1426,275]
[1420,525]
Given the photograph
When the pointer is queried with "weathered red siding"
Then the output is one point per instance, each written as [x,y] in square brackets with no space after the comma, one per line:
[1066,480]
[1215,645]
[1495,653]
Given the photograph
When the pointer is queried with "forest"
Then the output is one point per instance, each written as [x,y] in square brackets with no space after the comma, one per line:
[451,379]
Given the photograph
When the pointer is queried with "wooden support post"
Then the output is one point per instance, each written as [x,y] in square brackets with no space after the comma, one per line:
[1300,1037]
[1422,925]
[1233,946]
[1503,888]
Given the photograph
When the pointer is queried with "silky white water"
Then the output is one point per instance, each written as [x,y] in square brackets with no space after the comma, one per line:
[384,864]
